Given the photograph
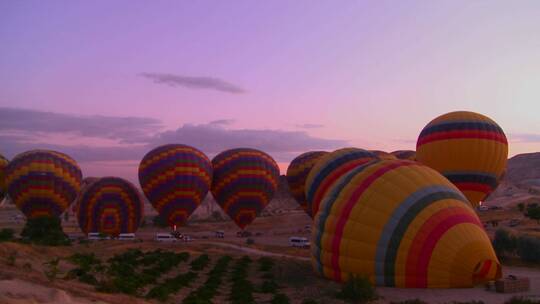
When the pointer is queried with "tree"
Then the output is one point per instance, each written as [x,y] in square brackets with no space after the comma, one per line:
[158,221]
[504,243]
[521,207]
[528,249]
[45,230]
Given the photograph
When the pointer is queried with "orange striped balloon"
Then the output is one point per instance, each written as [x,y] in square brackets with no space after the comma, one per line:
[468,148]
[111,206]
[401,224]
[244,182]
[43,182]
[297,173]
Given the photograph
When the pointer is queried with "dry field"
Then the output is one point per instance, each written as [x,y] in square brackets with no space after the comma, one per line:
[23,268]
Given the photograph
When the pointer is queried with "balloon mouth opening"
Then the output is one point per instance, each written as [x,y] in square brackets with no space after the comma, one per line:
[485,271]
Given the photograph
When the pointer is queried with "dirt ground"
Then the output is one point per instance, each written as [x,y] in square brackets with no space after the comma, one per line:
[20,283]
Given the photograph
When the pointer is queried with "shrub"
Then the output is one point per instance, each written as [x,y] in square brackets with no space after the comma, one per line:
[280,299]
[265,264]
[45,230]
[521,207]
[528,249]
[268,287]
[469,302]
[6,235]
[521,300]
[52,270]
[27,266]
[413,301]
[309,301]
[200,263]
[357,289]
[533,212]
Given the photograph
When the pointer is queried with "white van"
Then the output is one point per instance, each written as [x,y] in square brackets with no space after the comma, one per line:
[296,241]
[164,237]
[126,237]
[96,236]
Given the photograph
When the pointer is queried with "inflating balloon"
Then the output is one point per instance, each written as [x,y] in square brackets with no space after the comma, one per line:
[3,164]
[43,182]
[401,224]
[383,155]
[111,206]
[405,154]
[175,178]
[244,182]
[328,169]
[297,173]
[468,148]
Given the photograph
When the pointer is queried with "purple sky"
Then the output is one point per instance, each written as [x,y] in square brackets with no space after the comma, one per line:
[104,81]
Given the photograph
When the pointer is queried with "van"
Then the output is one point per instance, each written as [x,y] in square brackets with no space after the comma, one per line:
[164,237]
[482,208]
[220,234]
[97,236]
[301,242]
[126,237]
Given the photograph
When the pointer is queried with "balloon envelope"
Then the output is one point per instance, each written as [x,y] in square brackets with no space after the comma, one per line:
[405,154]
[468,148]
[175,178]
[297,173]
[401,224]
[43,182]
[110,205]
[328,169]
[383,155]
[244,182]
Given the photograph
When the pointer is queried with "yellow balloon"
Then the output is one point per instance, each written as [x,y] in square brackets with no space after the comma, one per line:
[401,224]
[468,148]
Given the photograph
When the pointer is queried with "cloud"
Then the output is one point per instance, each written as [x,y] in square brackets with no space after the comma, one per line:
[214,139]
[524,137]
[309,126]
[122,129]
[222,122]
[193,82]
[107,138]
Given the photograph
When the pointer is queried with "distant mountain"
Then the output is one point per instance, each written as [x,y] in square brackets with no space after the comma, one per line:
[521,182]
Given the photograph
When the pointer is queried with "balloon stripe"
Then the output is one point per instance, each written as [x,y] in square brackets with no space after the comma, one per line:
[393,232]
[338,234]
[426,239]
[466,134]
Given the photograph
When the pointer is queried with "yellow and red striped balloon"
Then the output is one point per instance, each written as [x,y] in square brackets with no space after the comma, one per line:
[43,182]
[328,169]
[468,148]
[405,154]
[175,178]
[244,182]
[297,173]
[3,164]
[111,206]
[401,224]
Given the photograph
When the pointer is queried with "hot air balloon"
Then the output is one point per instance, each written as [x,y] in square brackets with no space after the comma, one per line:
[328,169]
[175,179]
[468,148]
[401,224]
[297,173]
[405,154]
[3,164]
[43,182]
[111,206]
[383,155]
[244,182]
